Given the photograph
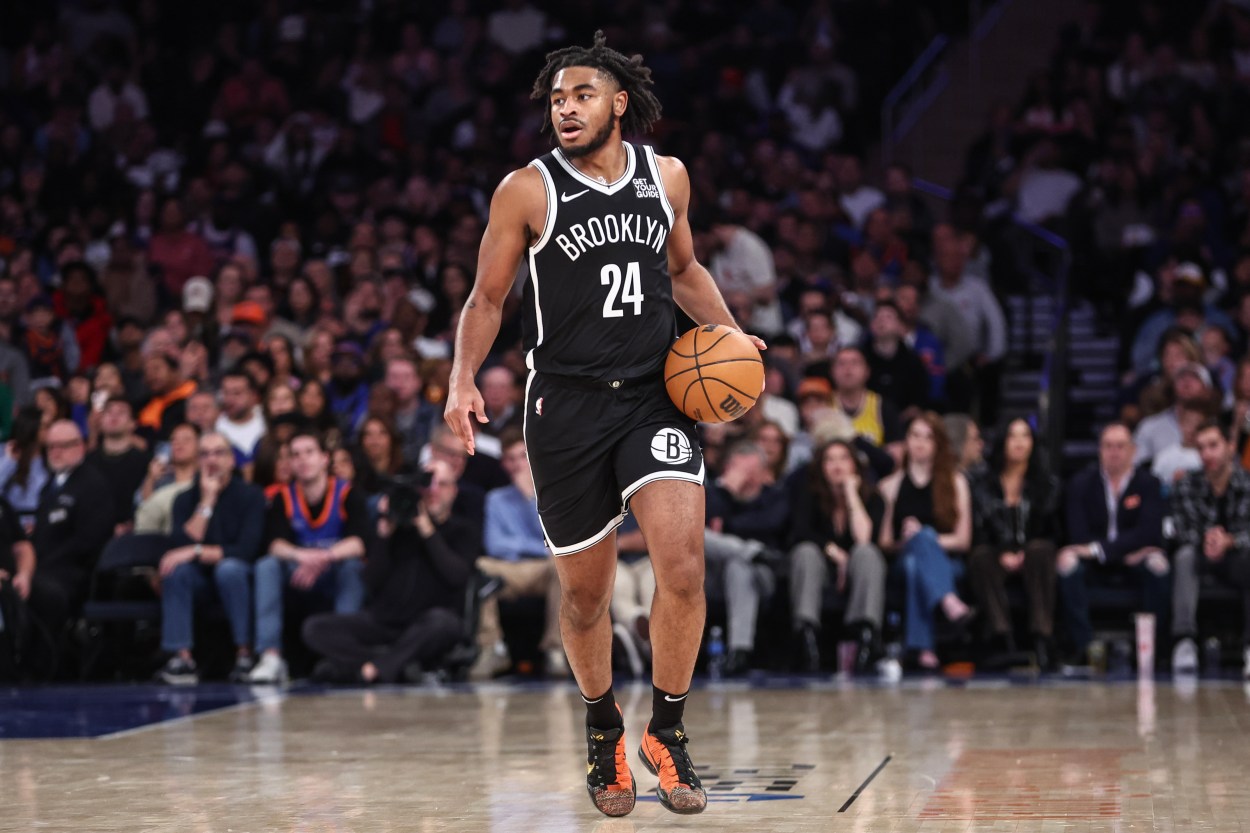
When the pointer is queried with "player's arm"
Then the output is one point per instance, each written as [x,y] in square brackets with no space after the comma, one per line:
[694,290]
[519,198]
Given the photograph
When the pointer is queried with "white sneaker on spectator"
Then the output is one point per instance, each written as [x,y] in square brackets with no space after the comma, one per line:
[1185,657]
[557,665]
[889,670]
[271,670]
[1245,666]
[490,663]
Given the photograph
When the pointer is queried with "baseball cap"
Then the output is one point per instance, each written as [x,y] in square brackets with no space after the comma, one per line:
[248,312]
[1190,272]
[197,294]
[815,386]
[1197,371]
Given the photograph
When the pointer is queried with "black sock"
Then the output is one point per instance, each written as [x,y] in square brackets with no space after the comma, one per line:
[601,711]
[666,709]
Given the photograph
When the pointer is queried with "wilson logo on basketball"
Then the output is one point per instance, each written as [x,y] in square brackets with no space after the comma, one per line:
[731,406]
[671,446]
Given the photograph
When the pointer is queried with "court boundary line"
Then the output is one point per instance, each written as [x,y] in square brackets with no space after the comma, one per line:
[864,785]
[186,718]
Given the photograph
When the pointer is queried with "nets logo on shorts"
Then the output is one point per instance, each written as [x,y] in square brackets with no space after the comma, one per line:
[671,446]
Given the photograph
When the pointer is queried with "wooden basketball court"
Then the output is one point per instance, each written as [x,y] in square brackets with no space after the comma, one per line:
[779,755]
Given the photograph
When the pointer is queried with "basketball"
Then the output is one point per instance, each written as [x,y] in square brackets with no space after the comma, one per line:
[714,373]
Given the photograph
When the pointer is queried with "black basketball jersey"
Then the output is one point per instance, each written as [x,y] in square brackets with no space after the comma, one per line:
[599,300]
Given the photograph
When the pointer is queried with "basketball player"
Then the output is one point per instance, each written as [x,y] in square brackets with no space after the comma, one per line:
[604,226]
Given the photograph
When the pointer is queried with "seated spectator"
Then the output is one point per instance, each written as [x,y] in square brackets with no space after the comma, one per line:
[348,393]
[414,417]
[1149,395]
[415,584]
[23,473]
[895,371]
[1175,461]
[68,536]
[241,421]
[17,570]
[967,444]
[834,519]
[202,411]
[121,459]
[167,405]
[928,522]
[1114,521]
[1211,511]
[923,339]
[1191,387]
[746,528]
[981,315]
[775,445]
[516,551]
[271,470]
[218,529]
[316,528]
[874,417]
[1016,507]
[377,458]
[166,479]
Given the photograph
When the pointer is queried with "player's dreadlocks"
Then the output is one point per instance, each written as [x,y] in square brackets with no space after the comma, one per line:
[634,78]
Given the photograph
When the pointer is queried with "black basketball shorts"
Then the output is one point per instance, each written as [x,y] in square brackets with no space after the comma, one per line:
[591,447]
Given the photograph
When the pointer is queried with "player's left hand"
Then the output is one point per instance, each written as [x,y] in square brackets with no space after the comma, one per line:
[757,341]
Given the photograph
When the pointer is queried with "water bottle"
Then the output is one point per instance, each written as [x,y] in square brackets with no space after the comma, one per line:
[716,653]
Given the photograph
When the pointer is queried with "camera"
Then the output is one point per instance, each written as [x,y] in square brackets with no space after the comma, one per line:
[403,492]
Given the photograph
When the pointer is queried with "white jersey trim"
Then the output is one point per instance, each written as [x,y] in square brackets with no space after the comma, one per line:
[611,188]
[583,545]
[662,475]
[659,183]
[549,225]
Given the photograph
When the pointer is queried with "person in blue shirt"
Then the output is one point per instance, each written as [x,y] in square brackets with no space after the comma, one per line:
[516,552]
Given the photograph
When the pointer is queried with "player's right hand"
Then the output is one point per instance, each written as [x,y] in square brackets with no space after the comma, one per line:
[463,399]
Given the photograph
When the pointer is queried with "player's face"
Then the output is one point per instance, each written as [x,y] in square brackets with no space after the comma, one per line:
[584,110]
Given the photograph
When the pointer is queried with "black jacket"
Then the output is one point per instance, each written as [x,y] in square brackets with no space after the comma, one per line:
[70,528]
[1009,528]
[1139,513]
[237,524]
[406,575]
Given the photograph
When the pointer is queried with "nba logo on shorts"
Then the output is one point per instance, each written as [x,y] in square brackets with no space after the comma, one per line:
[670,446]
[538,406]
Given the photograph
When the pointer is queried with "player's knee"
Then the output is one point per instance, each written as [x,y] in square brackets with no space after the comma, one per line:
[683,581]
[583,607]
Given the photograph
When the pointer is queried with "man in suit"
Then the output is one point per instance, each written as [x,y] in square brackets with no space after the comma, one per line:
[70,530]
[1115,525]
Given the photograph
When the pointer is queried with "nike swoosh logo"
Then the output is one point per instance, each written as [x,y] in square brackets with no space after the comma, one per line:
[571,197]
[674,699]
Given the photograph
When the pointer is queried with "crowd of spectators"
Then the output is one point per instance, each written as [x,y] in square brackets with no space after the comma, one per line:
[234,244]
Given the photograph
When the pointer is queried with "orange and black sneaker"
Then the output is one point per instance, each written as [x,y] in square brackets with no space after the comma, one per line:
[663,753]
[608,778]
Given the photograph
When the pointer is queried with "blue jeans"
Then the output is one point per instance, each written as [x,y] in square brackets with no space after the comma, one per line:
[343,582]
[190,584]
[931,574]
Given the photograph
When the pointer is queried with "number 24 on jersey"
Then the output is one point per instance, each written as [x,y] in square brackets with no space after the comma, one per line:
[632,290]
